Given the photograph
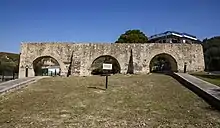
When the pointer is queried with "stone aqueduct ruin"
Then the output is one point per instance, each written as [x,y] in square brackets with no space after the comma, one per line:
[81,56]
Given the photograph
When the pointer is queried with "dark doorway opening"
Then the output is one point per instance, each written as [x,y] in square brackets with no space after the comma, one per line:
[98,62]
[163,63]
[26,72]
[46,66]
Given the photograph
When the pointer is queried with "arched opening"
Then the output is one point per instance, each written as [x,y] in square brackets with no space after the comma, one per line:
[98,63]
[46,66]
[163,63]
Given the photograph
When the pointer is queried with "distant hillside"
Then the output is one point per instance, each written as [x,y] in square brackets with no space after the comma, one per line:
[8,62]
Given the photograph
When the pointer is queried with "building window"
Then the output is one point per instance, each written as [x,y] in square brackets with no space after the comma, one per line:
[184,41]
[174,41]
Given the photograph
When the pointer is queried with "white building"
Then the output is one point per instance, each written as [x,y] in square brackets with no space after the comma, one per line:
[173,37]
[51,70]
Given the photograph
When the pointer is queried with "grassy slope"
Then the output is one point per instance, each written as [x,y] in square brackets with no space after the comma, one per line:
[130,101]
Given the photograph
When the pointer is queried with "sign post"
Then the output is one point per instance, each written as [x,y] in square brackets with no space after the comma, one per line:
[106,67]
[106,81]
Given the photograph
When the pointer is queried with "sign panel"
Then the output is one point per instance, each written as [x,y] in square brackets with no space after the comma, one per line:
[107,66]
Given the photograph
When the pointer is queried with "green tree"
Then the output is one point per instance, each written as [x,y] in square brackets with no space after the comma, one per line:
[8,63]
[132,36]
[212,42]
[211,48]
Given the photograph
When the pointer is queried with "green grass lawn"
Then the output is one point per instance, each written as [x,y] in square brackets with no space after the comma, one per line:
[153,100]
[214,79]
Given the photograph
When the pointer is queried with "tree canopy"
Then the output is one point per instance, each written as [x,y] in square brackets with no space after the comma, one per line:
[211,48]
[132,36]
[9,62]
[212,42]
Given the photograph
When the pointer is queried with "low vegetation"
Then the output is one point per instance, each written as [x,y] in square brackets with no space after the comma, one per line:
[132,36]
[212,78]
[211,48]
[153,100]
[8,63]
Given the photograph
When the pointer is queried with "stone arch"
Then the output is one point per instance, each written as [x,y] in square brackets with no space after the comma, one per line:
[96,65]
[163,62]
[38,58]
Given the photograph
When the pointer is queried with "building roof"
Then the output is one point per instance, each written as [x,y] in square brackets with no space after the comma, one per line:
[168,33]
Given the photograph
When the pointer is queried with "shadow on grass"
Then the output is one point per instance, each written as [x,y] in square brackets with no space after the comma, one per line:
[211,108]
[99,88]
[212,101]
[169,73]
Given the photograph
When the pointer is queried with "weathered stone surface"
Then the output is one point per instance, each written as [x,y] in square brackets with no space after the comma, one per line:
[85,54]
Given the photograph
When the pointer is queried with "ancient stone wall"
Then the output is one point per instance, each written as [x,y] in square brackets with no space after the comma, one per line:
[83,55]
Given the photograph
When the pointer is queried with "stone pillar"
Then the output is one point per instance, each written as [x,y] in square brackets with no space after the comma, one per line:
[64,70]
[21,73]
[63,74]
[31,72]
[124,69]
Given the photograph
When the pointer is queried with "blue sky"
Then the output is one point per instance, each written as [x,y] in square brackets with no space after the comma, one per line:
[102,20]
